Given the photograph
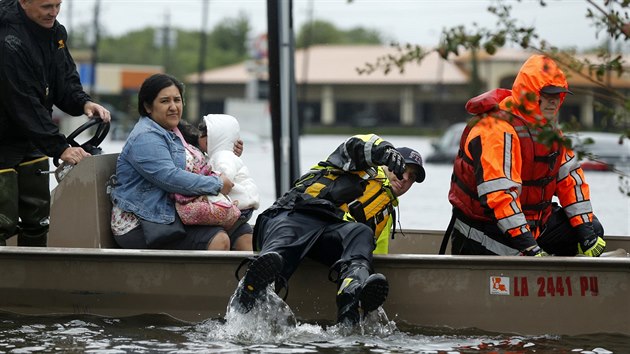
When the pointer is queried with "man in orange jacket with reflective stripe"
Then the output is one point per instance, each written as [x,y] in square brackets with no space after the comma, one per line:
[504,178]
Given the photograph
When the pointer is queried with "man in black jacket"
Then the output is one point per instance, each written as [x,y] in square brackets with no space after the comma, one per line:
[36,72]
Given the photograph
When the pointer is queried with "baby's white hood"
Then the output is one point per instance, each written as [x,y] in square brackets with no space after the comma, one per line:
[223,132]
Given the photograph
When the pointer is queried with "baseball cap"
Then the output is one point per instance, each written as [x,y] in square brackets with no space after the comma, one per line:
[413,157]
[552,90]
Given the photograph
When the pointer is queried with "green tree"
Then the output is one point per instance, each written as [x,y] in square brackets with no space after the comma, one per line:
[227,44]
[230,36]
[363,36]
[324,32]
[136,47]
[608,16]
[79,37]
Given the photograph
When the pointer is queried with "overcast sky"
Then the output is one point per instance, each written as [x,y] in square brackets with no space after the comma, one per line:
[562,22]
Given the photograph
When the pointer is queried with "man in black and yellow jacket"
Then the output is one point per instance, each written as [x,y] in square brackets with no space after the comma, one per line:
[337,214]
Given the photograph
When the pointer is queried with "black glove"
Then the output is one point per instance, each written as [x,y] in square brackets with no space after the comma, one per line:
[589,244]
[592,248]
[390,157]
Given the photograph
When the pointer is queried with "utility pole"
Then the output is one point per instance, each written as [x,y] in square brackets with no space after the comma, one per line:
[202,57]
[69,22]
[166,33]
[307,112]
[282,100]
[97,38]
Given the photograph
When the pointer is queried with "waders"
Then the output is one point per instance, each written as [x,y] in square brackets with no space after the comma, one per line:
[25,194]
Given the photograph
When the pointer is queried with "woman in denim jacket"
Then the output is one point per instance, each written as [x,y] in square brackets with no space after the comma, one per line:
[151,167]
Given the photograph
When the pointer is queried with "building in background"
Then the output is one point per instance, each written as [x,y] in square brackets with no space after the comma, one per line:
[116,88]
[429,95]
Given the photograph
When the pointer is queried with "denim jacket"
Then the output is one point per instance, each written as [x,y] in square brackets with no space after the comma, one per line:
[151,166]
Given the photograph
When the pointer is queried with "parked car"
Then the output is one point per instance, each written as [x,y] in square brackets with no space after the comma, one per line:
[601,151]
[598,151]
[445,149]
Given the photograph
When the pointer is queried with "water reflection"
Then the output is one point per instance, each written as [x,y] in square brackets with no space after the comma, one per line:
[161,333]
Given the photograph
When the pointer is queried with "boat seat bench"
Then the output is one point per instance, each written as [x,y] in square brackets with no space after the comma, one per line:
[80,206]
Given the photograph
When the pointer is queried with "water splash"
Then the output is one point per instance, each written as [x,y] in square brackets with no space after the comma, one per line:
[271,321]
[376,323]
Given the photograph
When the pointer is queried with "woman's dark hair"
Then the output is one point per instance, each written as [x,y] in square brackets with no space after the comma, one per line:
[152,86]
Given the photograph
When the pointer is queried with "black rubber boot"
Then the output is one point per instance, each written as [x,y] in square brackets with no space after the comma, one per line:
[34,202]
[8,204]
[359,292]
[261,272]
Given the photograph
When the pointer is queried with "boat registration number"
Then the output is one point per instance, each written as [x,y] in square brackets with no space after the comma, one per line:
[544,286]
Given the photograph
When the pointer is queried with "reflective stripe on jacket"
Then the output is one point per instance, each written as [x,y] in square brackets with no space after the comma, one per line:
[571,189]
[503,174]
[486,193]
[373,207]
[347,187]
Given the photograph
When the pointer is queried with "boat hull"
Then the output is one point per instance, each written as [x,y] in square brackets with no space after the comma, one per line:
[554,295]
[82,273]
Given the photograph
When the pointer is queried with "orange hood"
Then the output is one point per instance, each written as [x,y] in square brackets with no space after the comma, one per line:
[537,72]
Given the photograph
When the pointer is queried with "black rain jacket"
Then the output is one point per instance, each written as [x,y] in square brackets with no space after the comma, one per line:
[36,72]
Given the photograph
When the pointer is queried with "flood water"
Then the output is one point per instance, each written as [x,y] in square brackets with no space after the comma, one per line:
[163,334]
[425,207]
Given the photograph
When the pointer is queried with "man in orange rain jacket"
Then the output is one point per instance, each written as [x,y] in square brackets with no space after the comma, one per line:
[504,179]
